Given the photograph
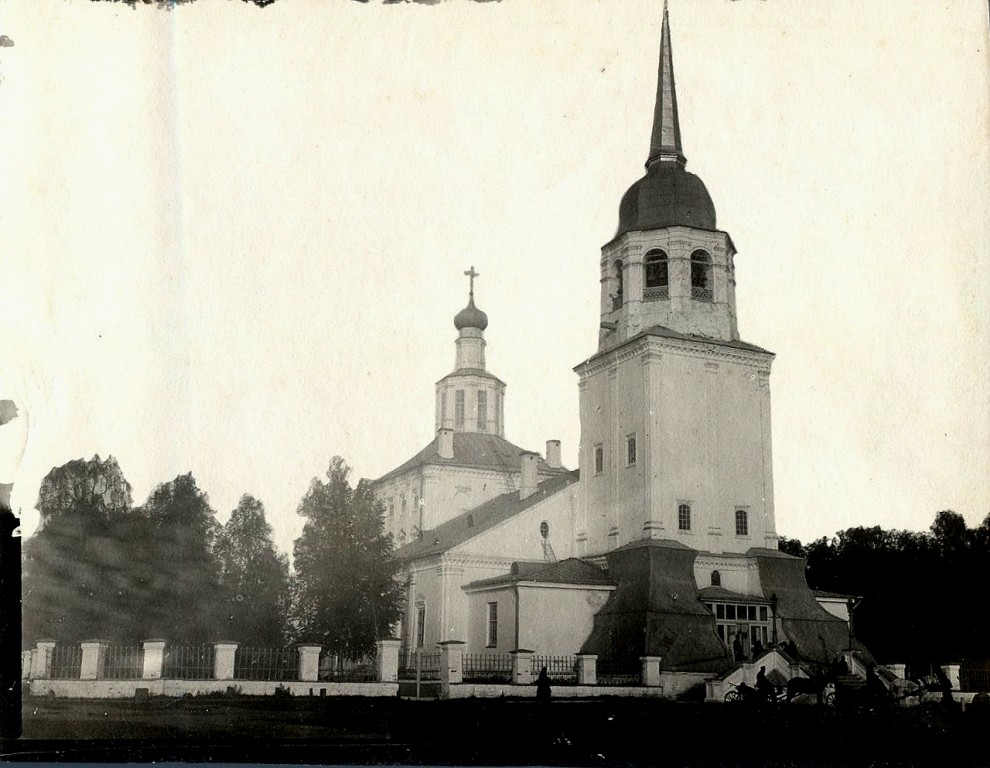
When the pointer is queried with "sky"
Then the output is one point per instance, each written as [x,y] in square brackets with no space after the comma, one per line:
[233,239]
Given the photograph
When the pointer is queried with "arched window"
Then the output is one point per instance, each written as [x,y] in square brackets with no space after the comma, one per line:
[742,523]
[544,529]
[655,276]
[701,276]
[617,274]
[684,518]
[716,579]
[470,521]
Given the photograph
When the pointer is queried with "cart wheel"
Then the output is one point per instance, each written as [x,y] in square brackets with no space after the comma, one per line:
[732,697]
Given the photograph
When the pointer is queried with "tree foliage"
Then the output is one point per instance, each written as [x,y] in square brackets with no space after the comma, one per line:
[345,595]
[254,577]
[920,592]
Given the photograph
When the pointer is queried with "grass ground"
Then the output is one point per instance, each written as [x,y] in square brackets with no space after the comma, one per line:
[495,732]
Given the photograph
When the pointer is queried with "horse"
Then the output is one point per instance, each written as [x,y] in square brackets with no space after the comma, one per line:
[816,685]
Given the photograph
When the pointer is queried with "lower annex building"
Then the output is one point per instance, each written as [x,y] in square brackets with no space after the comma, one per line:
[663,541]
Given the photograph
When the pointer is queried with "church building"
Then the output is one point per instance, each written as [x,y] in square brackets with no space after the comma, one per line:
[663,542]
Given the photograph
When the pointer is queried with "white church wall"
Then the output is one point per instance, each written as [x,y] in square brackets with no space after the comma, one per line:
[555,619]
[477,636]
[736,574]
[518,538]
[712,448]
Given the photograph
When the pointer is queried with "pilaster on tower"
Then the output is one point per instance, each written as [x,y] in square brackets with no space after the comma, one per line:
[470,399]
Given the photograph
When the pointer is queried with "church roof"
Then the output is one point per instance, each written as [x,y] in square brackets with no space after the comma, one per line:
[570,571]
[667,333]
[475,450]
[724,595]
[482,518]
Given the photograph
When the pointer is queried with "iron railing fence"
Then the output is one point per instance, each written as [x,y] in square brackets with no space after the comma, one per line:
[266,664]
[188,662]
[559,668]
[123,662]
[66,662]
[617,674]
[487,667]
[362,670]
[428,663]
[975,677]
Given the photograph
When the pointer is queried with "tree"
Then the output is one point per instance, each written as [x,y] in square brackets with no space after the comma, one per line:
[254,577]
[76,568]
[345,595]
[179,572]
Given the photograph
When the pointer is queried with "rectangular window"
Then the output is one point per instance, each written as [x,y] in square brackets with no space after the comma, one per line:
[742,523]
[730,612]
[498,410]
[459,409]
[482,411]
[630,450]
[599,459]
[443,408]
[492,625]
[391,506]
[683,517]
[763,613]
[420,626]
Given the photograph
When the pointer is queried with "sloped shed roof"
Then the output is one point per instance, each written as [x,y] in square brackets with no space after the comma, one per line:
[570,571]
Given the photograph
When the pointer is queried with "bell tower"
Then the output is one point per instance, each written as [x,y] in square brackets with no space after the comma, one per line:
[470,399]
[675,408]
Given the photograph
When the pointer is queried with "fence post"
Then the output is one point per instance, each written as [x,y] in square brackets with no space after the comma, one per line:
[25,665]
[223,660]
[587,671]
[451,664]
[41,659]
[650,672]
[94,654]
[387,660]
[309,662]
[952,672]
[522,666]
[154,659]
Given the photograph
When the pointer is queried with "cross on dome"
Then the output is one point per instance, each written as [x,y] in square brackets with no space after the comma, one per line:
[471,316]
[471,274]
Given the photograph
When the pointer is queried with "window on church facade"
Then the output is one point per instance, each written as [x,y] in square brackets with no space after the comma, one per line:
[459,409]
[420,625]
[402,504]
[599,459]
[742,523]
[498,410]
[391,506]
[684,517]
[617,272]
[630,450]
[716,579]
[701,276]
[749,623]
[443,408]
[482,411]
[655,276]
[492,625]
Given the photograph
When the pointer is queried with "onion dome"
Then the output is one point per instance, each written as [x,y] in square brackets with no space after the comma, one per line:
[471,317]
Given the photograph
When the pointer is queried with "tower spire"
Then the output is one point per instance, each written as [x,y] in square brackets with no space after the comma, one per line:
[665,142]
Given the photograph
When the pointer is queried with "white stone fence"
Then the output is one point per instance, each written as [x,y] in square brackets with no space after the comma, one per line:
[97,668]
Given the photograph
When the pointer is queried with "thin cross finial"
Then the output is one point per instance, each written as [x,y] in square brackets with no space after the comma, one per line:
[471,274]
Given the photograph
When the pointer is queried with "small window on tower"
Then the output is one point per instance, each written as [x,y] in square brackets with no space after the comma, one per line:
[742,523]
[482,411]
[716,579]
[684,517]
[630,450]
[599,459]
[459,409]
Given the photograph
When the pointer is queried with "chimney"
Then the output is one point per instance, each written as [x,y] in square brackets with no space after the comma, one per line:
[528,463]
[445,443]
[553,454]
